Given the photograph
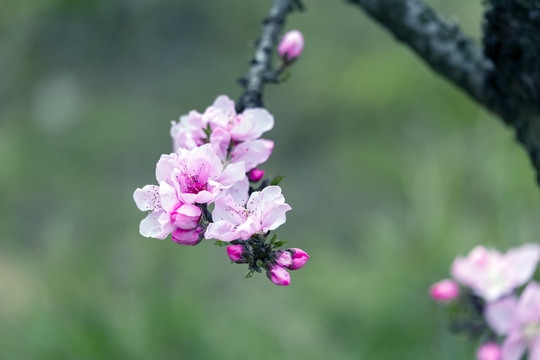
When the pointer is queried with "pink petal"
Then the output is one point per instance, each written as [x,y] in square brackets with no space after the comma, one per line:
[220,140]
[253,152]
[521,263]
[167,193]
[500,315]
[156,225]
[187,237]
[252,124]
[221,230]
[231,174]
[224,104]
[528,310]
[513,347]
[239,191]
[147,198]
[165,166]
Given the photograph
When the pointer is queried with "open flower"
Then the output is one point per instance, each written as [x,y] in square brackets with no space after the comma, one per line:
[198,175]
[519,321]
[167,214]
[265,210]
[188,133]
[237,135]
[491,274]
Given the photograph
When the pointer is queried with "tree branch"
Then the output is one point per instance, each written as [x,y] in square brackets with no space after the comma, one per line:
[505,77]
[260,70]
[437,41]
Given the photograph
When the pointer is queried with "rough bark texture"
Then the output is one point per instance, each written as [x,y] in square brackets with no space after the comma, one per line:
[437,41]
[504,77]
[260,71]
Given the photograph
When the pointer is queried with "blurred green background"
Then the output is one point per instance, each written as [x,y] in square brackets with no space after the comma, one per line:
[391,172]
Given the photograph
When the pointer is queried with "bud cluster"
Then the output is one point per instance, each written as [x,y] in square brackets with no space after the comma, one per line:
[493,298]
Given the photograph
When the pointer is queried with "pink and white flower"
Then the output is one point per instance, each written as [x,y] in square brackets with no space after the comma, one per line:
[188,132]
[491,274]
[265,210]
[519,321]
[234,137]
[197,175]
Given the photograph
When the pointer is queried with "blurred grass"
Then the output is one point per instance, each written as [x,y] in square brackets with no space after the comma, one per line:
[390,170]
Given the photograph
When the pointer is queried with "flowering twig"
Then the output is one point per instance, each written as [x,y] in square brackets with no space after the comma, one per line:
[260,71]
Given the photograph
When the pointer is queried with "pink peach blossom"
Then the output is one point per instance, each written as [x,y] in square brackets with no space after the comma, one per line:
[248,125]
[491,274]
[198,175]
[519,321]
[188,132]
[444,290]
[265,210]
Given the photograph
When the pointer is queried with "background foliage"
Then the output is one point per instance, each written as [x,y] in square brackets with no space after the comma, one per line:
[391,172]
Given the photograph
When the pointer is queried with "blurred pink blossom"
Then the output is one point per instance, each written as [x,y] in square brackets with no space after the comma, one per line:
[444,290]
[291,45]
[491,274]
[519,321]
[489,351]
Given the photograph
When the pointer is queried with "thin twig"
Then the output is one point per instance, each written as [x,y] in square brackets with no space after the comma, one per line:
[261,64]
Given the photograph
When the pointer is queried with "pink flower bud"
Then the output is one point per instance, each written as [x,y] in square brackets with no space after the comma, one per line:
[283,258]
[235,252]
[255,175]
[278,275]
[186,216]
[187,237]
[299,258]
[489,351]
[291,45]
[444,290]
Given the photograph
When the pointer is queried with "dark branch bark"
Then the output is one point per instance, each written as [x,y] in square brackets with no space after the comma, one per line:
[437,41]
[506,81]
[260,70]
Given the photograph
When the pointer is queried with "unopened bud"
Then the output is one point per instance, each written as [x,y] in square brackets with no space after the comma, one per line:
[186,216]
[283,258]
[187,237]
[291,45]
[235,252]
[489,351]
[444,290]
[299,258]
[255,175]
[278,275]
